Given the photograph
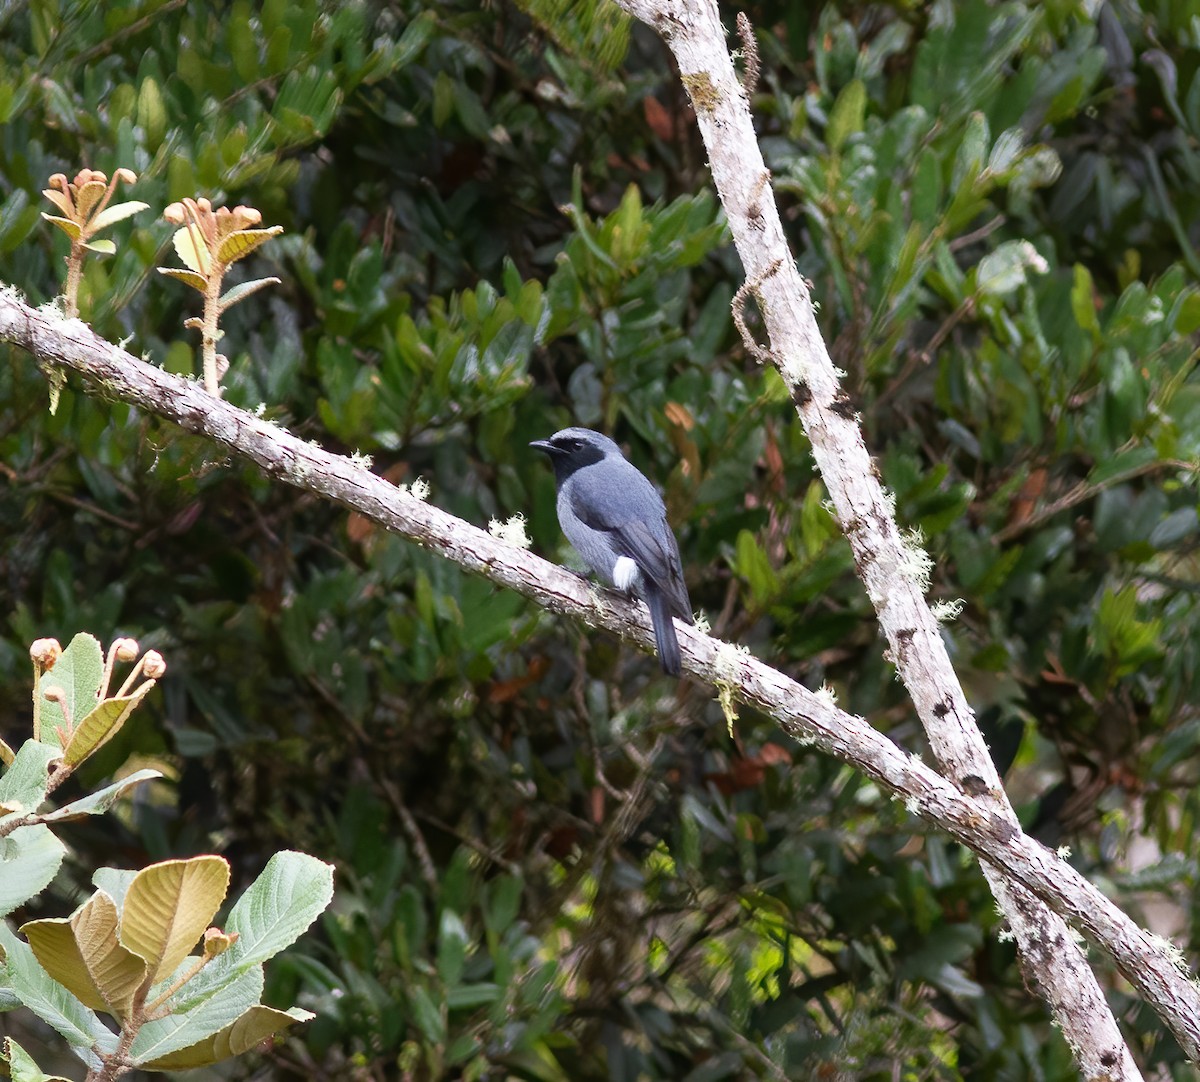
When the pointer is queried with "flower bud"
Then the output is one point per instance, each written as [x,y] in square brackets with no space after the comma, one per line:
[153,665]
[55,694]
[45,652]
[126,649]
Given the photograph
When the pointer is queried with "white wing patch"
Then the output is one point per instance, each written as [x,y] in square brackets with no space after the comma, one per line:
[625,574]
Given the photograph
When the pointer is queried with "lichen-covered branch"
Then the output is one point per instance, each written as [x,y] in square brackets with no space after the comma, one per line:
[1145,961]
[892,567]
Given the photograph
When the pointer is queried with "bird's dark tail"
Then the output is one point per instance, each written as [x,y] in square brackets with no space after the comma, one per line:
[664,633]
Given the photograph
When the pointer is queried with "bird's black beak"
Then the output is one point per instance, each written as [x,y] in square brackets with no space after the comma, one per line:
[545,446]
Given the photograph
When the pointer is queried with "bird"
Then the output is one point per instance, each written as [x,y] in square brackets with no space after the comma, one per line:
[616,520]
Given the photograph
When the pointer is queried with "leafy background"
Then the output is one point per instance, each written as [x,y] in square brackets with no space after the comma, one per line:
[553,863]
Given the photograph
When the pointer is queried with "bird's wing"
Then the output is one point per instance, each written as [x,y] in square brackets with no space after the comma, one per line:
[624,505]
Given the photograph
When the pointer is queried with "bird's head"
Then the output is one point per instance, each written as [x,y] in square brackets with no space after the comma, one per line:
[573,448]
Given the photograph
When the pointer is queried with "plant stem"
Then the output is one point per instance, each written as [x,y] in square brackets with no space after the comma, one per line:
[74,273]
[208,331]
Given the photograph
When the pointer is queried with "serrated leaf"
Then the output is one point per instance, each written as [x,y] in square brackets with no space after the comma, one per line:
[87,196]
[23,787]
[250,1030]
[273,912]
[100,801]
[21,1066]
[167,908]
[116,213]
[79,673]
[242,291]
[29,859]
[208,1016]
[101,724]
[242,242]
[103,247]
[69,227]
[278,907]
[196,281]
[53,943]
[191,249]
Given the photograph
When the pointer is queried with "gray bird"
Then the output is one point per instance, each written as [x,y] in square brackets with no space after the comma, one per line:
[618,524]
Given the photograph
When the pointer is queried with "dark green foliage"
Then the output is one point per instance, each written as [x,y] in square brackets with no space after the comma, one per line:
[497,220]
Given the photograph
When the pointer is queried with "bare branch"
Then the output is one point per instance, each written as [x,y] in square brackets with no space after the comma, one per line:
[973,820]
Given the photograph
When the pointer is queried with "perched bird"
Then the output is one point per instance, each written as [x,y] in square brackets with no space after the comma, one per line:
[618,524]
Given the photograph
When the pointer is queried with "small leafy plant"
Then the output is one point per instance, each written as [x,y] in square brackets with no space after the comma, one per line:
[84,203]
[209,243]
[126,952]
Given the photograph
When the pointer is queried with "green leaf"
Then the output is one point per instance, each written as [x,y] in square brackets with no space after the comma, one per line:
[1083,302]
[242,242]
[100,801]
[429,1017]
[21,1066]
[190,248]
[151,113]
[69,227]
[1125,462]
[240,292]
[79,673]
[197,281]
[168,906]
[1003,271]
[968,162]
[278,907]
[205,1018]
[251,1029]
[847,115]
[451,948]
[116,213]
[102,247]
[102,724]
[23,787]
[415,37]
[29,859]
[754,566]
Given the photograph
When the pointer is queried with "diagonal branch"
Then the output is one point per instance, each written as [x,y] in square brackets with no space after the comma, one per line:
[1143,958]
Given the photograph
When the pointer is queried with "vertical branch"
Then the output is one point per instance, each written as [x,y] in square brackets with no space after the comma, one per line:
[893,568]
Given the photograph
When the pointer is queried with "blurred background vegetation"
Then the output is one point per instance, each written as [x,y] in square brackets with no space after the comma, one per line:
[552,862]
